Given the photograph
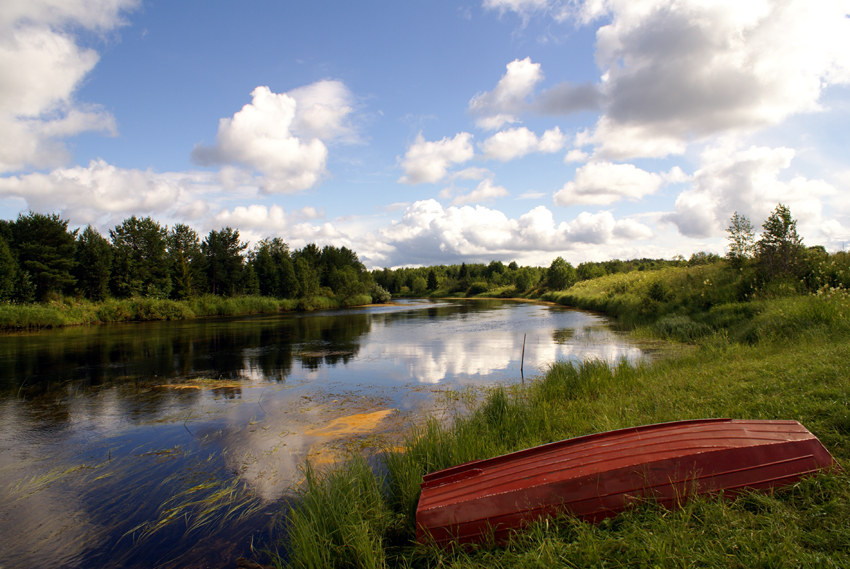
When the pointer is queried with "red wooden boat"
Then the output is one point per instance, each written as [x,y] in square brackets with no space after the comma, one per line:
[597,476]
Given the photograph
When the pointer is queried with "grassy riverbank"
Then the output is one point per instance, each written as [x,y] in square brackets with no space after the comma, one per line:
[781,355]
[74,312]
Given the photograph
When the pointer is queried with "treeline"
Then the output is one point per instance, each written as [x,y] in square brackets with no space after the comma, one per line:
[477,278]
[41,259]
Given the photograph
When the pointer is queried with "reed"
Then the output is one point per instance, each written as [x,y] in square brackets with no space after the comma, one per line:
[74,312]
[211,305]
[206,506]
[341,519]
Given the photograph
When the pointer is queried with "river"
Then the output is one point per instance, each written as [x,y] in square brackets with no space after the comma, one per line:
[177,444]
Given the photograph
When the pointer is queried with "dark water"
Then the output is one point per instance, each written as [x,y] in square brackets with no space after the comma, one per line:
[176,444]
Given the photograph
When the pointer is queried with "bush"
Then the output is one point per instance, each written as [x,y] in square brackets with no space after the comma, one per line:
[358,300]
[380,295]
[477,288]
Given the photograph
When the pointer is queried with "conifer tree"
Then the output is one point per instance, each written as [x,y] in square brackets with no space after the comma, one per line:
[432,280]
[187,262]
[8,271]
[225,263]
[45,250]
[94,264]
[140,264]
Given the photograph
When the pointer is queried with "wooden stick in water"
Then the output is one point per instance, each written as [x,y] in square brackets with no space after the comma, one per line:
[522,359]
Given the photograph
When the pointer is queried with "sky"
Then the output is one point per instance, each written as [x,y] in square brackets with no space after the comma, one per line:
[439,132]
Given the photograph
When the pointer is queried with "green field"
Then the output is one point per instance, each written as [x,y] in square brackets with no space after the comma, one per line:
[767,354]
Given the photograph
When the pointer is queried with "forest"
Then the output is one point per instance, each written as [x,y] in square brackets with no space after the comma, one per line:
[41,260]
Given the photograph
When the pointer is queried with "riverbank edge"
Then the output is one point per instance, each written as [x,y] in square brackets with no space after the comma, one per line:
[69,311]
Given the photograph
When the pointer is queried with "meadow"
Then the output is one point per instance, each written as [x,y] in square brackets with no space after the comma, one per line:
[739,351]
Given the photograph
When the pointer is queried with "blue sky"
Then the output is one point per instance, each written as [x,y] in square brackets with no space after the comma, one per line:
[438,132]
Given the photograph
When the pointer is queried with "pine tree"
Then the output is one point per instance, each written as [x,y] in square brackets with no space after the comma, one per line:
[307,277]
[225,262]
[45,249]
[8,271]
[432,280]
[94,264]
[288,281]
[140,263]
[187,262]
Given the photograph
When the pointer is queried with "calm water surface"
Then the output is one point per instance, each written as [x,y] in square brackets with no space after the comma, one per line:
[177,444]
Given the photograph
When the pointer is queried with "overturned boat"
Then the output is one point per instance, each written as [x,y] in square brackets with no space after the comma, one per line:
[597,476]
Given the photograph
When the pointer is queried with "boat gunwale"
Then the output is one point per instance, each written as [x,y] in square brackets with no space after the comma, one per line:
[433,479]
[551,463]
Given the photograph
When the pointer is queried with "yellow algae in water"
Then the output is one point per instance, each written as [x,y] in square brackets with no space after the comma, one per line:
[322,456]
[351,424]
[206,384]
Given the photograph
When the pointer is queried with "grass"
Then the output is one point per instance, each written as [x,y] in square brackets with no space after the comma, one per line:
[343,516]
[74,312]
[783,356]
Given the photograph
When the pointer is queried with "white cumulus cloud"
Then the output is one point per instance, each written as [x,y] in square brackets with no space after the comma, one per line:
[280,135]
[678,71]
[576,155]
[521,6]
[429,234]
[486,191]
[604,183]
[508,100]
[517,142]
[322,111]
[428,162]
[103,194]
[42,65]
[746,181]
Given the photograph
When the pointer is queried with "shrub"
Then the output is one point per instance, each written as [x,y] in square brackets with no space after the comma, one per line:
[380,295]
[477,288]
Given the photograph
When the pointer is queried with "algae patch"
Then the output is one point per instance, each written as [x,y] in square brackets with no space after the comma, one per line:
[351,425]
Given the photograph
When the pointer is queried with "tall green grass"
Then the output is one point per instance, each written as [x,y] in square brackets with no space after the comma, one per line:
[342,519]
[211,305]
[74,312]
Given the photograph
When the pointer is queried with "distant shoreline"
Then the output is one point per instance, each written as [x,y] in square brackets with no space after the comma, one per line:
[75,312]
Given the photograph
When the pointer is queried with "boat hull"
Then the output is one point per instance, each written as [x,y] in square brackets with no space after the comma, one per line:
[597,476]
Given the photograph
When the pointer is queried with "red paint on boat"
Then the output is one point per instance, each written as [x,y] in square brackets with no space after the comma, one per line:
[597,476]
